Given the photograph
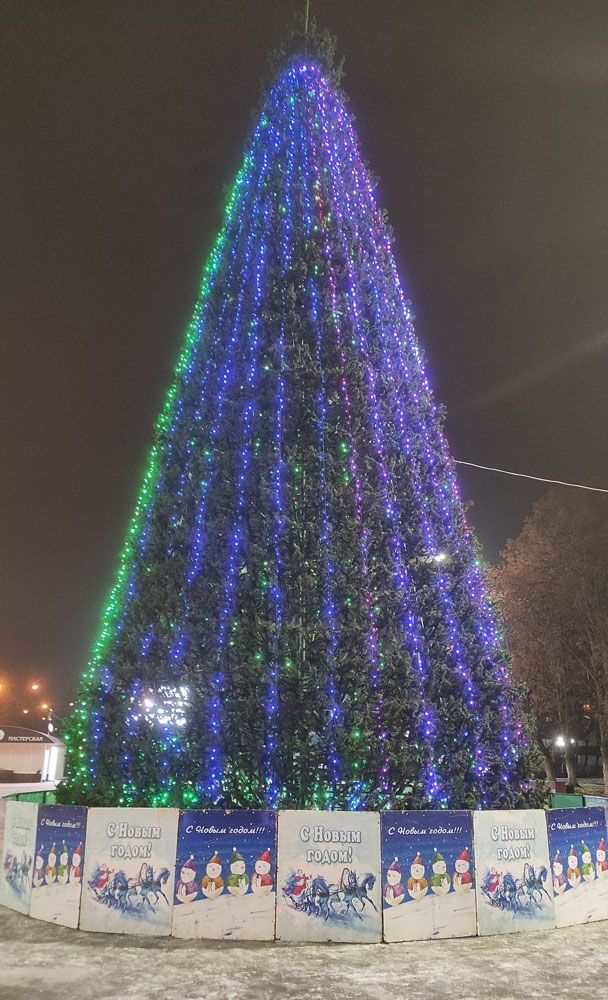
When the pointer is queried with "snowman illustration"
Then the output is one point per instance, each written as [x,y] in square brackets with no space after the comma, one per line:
[559,879]
[440,880]
[587,868]
[76,869]
[186,889]
[393,890]
[63,868]
[417,885]
[261,880]
[601,865]
[574,873]
[462,880]
[212,883]
[38,875]
[50,872]
[238,881]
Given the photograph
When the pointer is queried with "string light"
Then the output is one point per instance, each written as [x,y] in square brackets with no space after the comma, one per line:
[341,199]
[442,479]
[301,226]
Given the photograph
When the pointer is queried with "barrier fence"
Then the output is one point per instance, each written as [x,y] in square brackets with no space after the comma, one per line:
[303,875]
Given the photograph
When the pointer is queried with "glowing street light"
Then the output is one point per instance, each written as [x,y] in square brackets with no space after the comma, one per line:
[560,741]
[35,687]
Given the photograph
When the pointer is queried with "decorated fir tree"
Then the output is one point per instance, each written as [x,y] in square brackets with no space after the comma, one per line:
[299,616]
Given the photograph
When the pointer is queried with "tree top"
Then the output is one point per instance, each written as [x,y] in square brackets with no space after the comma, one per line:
[306,41]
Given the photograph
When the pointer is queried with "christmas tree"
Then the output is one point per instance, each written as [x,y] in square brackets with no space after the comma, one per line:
[299,617]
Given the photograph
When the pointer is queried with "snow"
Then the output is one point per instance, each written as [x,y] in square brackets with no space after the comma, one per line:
[452,915]
[40,961]
[97,916]
[492,920]
[588,902]
[226,916]
[294,925]
[21,788]
[58,903]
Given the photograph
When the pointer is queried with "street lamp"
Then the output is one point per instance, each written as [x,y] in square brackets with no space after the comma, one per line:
[51,716]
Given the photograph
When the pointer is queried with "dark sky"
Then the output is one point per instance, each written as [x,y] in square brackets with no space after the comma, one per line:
[122,121]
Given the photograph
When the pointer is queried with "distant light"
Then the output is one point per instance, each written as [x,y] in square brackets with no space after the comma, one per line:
[25,711]
[45,706]
[560,741]
[572,740]
[440,557]
[166,706]
[51,727]
[35,687]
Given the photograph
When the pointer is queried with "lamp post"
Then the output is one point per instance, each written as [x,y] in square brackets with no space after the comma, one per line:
[51,718]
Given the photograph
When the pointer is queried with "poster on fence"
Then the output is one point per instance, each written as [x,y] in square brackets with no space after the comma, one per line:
[579,870]
[18,855]
[428,875]
[512,873]
[58,860]
[328,877]
[225,875]
[129,864]
[3,803]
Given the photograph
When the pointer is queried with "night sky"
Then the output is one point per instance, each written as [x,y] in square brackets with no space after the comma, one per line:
[122,122]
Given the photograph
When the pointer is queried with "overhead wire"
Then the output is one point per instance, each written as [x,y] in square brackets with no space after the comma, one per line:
[538,479]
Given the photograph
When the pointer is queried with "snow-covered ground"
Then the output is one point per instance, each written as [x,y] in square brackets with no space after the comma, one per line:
[40,961]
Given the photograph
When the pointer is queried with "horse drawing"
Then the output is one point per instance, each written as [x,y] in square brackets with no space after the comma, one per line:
[533,885]
[367,882]
[151,885]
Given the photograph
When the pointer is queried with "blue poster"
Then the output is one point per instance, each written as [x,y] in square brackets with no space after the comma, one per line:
[225,875]
[512,871]
[428,869]
[58,861]
[577,847]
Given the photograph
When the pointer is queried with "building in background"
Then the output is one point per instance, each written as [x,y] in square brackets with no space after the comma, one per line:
[27,756]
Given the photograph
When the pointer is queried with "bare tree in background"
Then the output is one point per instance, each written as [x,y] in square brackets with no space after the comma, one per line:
[552,583]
